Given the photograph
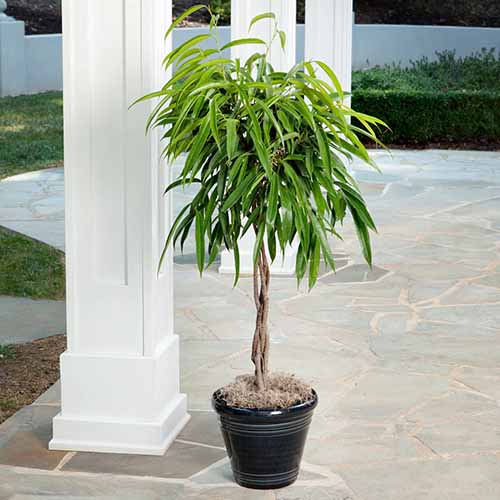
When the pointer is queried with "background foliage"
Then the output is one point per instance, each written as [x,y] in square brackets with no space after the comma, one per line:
[44,16]
[449,100]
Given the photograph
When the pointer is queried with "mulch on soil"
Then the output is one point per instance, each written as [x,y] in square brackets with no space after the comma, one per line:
[29,373]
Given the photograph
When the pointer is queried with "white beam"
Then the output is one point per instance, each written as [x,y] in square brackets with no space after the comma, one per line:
[242,12]
[120,374]
[329,27]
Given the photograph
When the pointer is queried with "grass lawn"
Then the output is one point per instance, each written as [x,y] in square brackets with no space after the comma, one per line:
[31,138]
[31,133]
[29,268]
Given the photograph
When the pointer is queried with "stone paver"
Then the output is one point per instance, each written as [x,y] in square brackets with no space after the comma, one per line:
[33,204]
[405,358]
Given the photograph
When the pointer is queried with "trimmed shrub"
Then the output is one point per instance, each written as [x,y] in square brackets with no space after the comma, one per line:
[433,116]
[480,71]
[447,100]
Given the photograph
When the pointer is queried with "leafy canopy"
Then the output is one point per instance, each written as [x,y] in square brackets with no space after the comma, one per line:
[267,148]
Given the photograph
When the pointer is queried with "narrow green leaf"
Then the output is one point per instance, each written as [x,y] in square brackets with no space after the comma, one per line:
[213,121]
[300,264]
[314,263]
[320,233]
[232,137]
[332,76]
[364,238]
[238,192]
[272,206]
[271,242]
[236,254]
[260,17]
[183,16]
[243,41]
[200,241]
[258,244]
[282,36]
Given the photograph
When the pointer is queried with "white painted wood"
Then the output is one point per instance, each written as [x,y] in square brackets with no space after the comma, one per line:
[120,375]
[329,29]
[242,13]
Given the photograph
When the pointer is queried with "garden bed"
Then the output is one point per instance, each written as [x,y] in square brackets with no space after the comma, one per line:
[27,371]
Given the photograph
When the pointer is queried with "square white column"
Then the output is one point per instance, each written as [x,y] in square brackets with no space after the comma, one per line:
[120,374]
[329,28]
[242,13]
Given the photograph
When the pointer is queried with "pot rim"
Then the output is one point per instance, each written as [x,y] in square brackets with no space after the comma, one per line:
[220,406]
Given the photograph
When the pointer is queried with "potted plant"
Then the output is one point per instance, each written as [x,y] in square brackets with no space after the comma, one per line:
[267,150]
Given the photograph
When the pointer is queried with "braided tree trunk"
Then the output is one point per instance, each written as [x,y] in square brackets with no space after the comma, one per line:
[260,347]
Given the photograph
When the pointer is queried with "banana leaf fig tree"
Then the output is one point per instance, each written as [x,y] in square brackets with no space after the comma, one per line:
[268,150]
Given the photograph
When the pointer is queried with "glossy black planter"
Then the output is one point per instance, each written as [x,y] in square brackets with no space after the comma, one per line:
[265,446]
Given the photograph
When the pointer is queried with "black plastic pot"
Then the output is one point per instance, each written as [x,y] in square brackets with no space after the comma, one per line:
[265,446]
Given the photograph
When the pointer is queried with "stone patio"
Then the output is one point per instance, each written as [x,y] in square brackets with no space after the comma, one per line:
[406,359]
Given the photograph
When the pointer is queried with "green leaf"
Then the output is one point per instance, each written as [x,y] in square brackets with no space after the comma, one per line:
[332,76]
[271,242]
[261,150]
[232,137]
[213,121]
[282,36]
[272,206]
[300,264]
[314,264]
[183,16]
[236,254]
[260,17]
[200,242]
[364,238]
[238,193]
[243,41]
[320,233]
[258,244]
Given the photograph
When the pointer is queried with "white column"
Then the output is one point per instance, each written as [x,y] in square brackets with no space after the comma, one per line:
[120,374]
[329,27]
[12,54]
[242,12]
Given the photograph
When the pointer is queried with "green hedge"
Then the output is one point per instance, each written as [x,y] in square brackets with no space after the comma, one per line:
[426,116]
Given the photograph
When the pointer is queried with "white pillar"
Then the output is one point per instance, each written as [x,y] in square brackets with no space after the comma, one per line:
[120,374]
[242,12]
[329,27]
[12,54]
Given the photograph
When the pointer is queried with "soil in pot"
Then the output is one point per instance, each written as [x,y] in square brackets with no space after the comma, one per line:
[265,431]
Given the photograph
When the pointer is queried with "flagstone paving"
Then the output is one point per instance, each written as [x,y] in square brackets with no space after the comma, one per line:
[406,358]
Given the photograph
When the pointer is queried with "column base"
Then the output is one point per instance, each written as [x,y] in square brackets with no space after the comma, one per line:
[121,436]
[119,403]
